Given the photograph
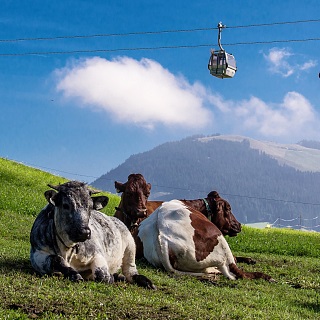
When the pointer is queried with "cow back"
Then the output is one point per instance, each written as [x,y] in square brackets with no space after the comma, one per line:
[180,233]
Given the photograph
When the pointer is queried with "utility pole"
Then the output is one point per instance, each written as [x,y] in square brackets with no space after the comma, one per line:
[300,221]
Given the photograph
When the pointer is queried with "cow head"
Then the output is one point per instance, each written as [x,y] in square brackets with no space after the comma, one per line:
[222,215]
[133,204]
[73,204]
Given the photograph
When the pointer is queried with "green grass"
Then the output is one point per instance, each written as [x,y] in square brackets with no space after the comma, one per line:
[290,257]
[22,189]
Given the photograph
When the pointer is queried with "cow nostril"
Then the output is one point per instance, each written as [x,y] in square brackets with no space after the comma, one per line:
[87,233]
[142,213]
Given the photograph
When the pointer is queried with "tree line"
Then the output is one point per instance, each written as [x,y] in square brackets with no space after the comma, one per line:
[256,185]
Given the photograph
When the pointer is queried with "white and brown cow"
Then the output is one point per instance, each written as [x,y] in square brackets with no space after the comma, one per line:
[176,236]
[181,240]
[71,237]
[135,207]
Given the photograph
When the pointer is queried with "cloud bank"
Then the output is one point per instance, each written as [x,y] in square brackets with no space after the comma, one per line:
[294,117]
[145,94]
[140,92]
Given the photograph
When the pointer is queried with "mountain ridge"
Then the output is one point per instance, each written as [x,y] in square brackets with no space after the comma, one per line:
[295,155]
[263,181]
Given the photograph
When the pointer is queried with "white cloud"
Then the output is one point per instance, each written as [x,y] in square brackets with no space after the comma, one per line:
[140,92]
[308,65]
[282,61]
[145,94]
[276,56]
[277,59]
[293,118]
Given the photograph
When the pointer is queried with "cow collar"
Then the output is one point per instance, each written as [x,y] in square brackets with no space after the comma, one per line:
[208,208]
[132,224]
[74,248]
[122,211]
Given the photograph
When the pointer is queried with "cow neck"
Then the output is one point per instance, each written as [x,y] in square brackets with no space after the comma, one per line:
[75,247]
[127,218]
[208,208]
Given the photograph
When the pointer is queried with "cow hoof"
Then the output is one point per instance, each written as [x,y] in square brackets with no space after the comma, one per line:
[109,279]
[245,260]
[251,261]
[143,281]
[119,277]
[101,276]
[76,277]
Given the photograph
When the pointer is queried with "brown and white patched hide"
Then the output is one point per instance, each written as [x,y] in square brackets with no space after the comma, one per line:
[181,240]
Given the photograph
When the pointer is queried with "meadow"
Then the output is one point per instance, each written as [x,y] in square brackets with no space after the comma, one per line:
[290,257]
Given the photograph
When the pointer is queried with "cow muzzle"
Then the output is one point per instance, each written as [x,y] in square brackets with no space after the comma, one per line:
[142,213]
[84,235]
[235,229]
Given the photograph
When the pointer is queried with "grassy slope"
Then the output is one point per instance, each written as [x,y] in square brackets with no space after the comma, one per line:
[291,257]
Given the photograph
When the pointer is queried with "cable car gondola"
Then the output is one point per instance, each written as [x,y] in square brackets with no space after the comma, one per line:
[222,64]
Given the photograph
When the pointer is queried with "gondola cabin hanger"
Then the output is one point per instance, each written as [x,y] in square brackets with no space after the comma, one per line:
[222,64]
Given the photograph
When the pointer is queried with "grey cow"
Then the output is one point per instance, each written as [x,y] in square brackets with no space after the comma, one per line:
[71,237]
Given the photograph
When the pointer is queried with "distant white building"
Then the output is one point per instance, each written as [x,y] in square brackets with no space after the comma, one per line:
[259,225]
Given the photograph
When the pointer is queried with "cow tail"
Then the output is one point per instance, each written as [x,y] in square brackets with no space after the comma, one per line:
[163,246]
[164,254]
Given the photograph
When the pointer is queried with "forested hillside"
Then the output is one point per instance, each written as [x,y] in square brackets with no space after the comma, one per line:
[258,188]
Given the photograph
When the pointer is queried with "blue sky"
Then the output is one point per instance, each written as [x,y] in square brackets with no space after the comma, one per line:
[79,105]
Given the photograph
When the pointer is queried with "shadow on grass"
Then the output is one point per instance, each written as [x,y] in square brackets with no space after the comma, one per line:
[9,265]
[208,279]
[34,311]
[314,306]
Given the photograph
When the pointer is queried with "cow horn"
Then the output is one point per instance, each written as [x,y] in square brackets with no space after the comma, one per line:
[53,187]
[95,191]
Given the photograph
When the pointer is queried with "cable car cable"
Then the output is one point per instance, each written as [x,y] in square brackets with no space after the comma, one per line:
[153,32]
[151,48]
[273,24]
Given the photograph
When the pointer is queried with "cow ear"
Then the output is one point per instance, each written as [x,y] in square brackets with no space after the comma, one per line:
[120,187]
[213,194]
[100,202]
[49,196]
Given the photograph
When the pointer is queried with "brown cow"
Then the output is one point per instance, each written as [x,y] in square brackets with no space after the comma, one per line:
[134,206]
[176,236]
[216,209]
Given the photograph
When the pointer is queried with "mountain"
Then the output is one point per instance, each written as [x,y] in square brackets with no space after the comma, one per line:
[263,181]
[304,156]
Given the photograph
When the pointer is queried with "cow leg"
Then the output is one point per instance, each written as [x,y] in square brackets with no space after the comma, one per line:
[101,274]
[100,270]
[227,272]
[249,275]
[245,260]
[118,277]
[60,265]
[129,268]
[143,281]
[45,263]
